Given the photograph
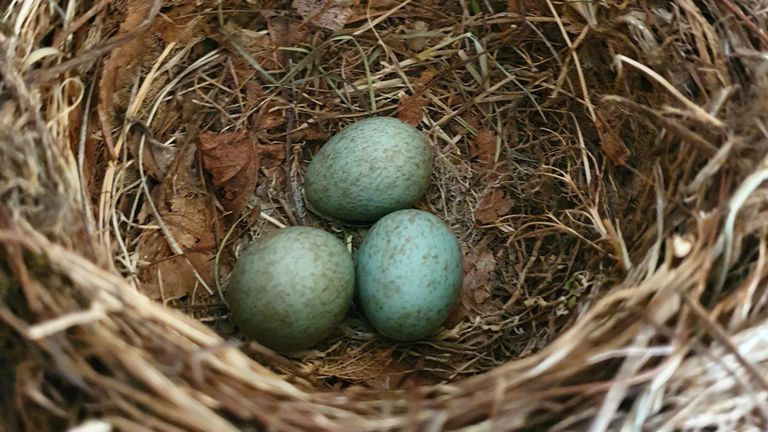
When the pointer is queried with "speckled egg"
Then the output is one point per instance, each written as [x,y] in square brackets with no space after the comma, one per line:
[409,274]
[290,288]
[370,168]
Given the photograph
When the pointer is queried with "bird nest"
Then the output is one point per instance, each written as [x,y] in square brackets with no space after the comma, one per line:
[602,164]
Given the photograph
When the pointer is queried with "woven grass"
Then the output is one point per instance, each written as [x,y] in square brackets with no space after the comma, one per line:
[602,164]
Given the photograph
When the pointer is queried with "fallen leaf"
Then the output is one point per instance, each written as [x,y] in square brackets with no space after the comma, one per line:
[415,41]
[363,11]
[258,45]
[233,161]
[526,7]
[610,143]
[493,205]
[267,118]
[156,158]
[476,297]
[482,269]
[253,92]
[169,276]
[274,183]
[265,47]
[182,23]
[483,147]
[425,78]
[410,109]
[184,210]
[284,33]
[271,155]
[310,132]
[397,374]
[330,14]
[120,65]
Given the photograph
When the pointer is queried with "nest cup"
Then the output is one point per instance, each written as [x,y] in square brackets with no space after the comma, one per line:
[601,164]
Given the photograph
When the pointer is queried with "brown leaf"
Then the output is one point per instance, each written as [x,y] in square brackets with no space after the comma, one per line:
[483,147]
[270,120]
[181,23]
[170,276]
[185,211]
[266,118]
[253,93]
[182,202]
[330,14]
[258,45]
[425,78]
[410,109]
[493,205]
[272,155]
[156,158]
[476,296]
[612,145]
[397,374]
[479,277]
[233,161]
[119,66]
[364,11]
[414,41]
[311,132]
[284,33]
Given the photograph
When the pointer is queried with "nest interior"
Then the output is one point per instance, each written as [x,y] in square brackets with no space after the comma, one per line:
[601,163]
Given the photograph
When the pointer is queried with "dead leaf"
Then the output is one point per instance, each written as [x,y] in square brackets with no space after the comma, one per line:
[274,183]
[410,109]
[267,118]
[257,44]
[119,66]
[265,47]
[612,145]
[184,209]
[156,158]
[182,23]
[310,132]
[483,147]
[169,276]
[415,41]
[233,161]
[271,155]
[253,92]
[363,11]
[284,33]
[476,297]
[480,288]
[330,14]
[425,78]
[493,205]
[397,374]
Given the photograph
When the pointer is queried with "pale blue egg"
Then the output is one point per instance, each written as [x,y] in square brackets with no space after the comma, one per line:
[409,274]
[290,288]
[370,168]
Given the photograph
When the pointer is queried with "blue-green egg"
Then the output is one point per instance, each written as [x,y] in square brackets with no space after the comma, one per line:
[370,168]
[409,274]
[290,288]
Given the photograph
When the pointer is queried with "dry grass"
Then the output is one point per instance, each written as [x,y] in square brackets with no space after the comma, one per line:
[602,165]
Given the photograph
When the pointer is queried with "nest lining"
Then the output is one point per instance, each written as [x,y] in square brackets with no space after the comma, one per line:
[601,166]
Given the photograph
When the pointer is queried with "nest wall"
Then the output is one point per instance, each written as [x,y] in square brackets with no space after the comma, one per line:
[602,164]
